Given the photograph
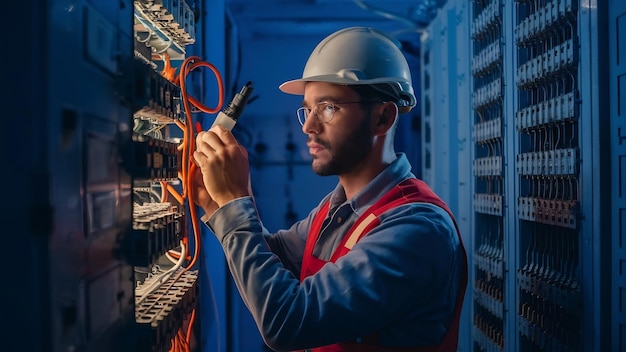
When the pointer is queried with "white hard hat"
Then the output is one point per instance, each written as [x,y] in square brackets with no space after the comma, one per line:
[359,56]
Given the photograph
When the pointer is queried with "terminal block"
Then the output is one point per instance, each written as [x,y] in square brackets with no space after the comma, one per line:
[156,99]
[154,159]
[157,228]
[166,26]
[160,313]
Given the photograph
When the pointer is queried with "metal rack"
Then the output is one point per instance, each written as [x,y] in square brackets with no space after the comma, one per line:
[489,176]
[539,196]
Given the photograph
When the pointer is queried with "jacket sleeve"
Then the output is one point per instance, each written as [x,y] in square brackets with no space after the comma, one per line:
[407,266]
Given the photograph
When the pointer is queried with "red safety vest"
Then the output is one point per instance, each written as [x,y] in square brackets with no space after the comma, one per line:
[409,191]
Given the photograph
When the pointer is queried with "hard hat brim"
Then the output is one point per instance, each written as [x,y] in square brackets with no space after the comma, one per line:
[296,86]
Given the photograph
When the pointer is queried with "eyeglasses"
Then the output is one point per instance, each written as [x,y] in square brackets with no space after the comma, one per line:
[323,111]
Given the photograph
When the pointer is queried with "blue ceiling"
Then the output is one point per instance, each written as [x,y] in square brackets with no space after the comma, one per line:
[256,18]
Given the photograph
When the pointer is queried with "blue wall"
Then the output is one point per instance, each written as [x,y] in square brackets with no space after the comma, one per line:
[285,188]
[281,171]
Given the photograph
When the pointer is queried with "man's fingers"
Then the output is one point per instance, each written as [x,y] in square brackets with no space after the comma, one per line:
[209,139]
[199,157]
[216,140]
[226,136]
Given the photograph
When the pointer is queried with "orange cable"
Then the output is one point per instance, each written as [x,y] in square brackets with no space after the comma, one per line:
[163,191]
[192,207]
[189,167]
[185,143]
[175,194]
[182,77]
[195,224]
[188,65]
[168,71]
[220,87]
[174,255]
[180,124]
[188,132]
[176,341]
[190,326]
[181,342]
[193,210]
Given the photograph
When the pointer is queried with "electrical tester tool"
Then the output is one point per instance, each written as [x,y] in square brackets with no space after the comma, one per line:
[227,118]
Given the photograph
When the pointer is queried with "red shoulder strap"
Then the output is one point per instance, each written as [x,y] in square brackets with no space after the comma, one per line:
[409,191]
[311,240]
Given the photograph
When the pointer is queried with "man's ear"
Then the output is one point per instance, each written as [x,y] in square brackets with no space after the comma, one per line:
[387,116]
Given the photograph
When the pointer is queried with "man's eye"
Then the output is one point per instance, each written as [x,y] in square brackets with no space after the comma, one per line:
[329,108]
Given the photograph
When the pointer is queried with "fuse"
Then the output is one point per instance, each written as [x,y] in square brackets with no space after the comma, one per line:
[554,10]
[558,110]
[570,213]
[562,12]
[550,110]
[569,106]
[572,163]
[542,19]
[551,161]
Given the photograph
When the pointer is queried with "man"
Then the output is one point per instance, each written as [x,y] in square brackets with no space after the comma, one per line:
[379,264]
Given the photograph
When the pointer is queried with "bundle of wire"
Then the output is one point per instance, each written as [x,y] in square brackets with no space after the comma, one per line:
[182,340]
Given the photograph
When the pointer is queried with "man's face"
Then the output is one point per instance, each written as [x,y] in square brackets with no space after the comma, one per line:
[339,146]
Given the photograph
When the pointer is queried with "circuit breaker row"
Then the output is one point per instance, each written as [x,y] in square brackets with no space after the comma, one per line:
[488,278]
[159,314]
[489,295]
[487,131]
[487,166]
[545,18]
[548,162]
[553,110]
[486,19]
[154,159]
[488,203]
[490,259]
[174,18]
[487,94]
[556,284]
[563,213]
[489,274]
[540,67]
[158,100]
[488,332]
[486,58]
[488,290]
[540,322]
[157,228]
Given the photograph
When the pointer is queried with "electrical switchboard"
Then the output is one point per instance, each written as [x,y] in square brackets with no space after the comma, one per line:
[163,243]
[540,187]
[111,239]
[489,176]
[549,310]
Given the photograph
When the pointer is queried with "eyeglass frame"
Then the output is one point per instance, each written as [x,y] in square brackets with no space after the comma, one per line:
[306,116]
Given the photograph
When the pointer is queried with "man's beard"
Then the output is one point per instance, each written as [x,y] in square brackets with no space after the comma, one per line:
[349,154]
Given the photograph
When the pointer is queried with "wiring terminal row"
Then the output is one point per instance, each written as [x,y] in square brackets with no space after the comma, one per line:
[162,303]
